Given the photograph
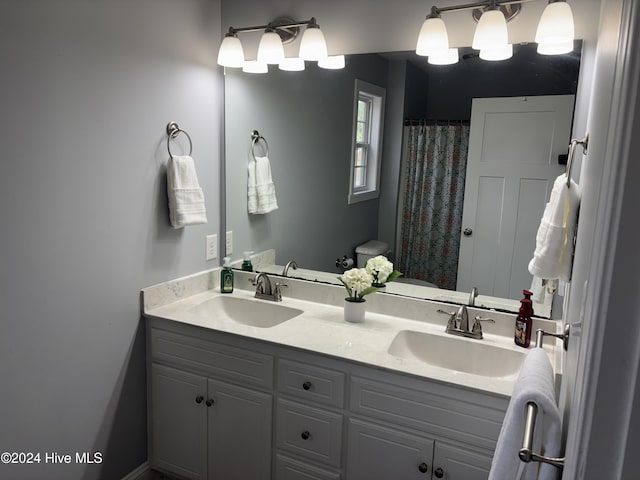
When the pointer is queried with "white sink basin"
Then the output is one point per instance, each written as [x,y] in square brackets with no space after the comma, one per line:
[256,313]
[456,353]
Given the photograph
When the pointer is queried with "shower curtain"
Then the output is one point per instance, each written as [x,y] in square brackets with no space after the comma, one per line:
[435,173]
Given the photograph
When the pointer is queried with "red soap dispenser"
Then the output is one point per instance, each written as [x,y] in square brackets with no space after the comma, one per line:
[522,336]
[528,294]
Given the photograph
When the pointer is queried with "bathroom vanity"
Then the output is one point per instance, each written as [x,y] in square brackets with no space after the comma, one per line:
[251,389]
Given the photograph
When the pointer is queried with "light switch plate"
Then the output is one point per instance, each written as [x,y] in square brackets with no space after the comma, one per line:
[212,247]
[229,243]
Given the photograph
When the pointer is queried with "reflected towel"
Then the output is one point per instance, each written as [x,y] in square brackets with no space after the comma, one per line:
[535,383]
[553,255]
[186,200]
[261,192]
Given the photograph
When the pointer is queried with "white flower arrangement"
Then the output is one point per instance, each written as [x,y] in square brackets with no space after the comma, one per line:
[358,282]
[381,269]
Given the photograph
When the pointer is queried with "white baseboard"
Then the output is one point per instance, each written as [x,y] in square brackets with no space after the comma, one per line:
[139,473]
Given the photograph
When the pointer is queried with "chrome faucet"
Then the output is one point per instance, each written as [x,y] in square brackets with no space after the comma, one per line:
[290,264]
[458,323]
[265,290]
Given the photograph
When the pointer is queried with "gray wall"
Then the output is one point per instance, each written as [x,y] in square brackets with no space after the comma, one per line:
[87,89]
[314,224]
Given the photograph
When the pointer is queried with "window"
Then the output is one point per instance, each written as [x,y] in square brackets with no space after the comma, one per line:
[367,141]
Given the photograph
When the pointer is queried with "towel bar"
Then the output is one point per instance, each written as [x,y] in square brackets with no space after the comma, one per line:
[173,130]
[572,150]
[526,454]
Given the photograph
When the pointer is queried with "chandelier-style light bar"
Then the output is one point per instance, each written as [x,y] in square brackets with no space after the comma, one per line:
[554,35]
[276,34]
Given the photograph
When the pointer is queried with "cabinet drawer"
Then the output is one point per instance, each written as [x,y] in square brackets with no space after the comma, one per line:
[241,365]
[289,469]
[433,412]
[310,432]
[311,383]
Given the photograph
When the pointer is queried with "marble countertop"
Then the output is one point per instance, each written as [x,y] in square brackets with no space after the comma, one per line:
[322,329]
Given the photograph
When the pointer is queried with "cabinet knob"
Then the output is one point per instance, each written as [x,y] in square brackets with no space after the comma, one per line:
[306,385]
[209,402]
[423,467]
[467,232]
[305,435]
[438,472]
[199,399]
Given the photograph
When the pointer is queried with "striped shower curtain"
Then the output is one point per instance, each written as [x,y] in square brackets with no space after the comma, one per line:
[435,166]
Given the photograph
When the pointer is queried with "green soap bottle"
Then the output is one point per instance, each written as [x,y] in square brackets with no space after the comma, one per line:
[247,266]
[226,276]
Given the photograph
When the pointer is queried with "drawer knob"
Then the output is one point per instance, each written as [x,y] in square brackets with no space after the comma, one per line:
[423,467]
[306,385]
[209,402]
[305,435]
[439,473]
[199,399]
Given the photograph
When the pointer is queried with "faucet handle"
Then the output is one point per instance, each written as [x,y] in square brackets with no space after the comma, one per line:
[451,324]
[277,293]
[477,327]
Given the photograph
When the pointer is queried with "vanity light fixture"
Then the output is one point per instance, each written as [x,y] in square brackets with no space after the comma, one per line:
[254,66]
[446,57]
[554,35]
[277,33]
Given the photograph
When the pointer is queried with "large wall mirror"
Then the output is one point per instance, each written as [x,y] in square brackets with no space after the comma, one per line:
[307,120]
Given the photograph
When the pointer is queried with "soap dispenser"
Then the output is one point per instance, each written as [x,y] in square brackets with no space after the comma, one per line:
[527,295]
[522,336]
[247,266]
[226,276]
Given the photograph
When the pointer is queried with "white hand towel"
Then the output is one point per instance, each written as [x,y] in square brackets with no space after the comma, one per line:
[186,200]
[261,192]
[535,383]
[552,257]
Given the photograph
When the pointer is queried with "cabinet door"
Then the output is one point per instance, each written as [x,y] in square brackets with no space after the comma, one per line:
[379,453]
[179,422]
[455,463]
[239,432]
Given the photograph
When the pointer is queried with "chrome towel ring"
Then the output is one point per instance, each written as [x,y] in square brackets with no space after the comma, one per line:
[255,138]
[173,130]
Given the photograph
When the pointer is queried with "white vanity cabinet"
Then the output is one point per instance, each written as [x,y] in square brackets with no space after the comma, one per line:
[204,425]
[223,406]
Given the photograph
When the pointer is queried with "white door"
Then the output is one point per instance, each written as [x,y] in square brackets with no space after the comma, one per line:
[512,163]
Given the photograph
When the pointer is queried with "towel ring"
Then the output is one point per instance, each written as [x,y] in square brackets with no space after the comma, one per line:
[173,130]
[572,150]
[255,138]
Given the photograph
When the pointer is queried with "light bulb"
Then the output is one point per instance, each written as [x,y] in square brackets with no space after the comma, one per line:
[556,25]
[433,37]
[491,31]
[231,53]
[270,49]
[313,46]
[555,48]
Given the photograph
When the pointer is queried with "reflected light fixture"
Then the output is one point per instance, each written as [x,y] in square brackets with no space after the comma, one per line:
[446,57]
[332,62]
[293,64]
[254,66]
[554,35]
[276,34]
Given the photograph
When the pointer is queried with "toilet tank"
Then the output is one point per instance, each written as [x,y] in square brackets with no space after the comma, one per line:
[371,249]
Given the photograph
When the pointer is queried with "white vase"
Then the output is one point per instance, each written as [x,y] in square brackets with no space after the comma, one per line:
[354,310]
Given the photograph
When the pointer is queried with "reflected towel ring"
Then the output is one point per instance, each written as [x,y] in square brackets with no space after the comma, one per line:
[255,138]
[173,130]
[572,151]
